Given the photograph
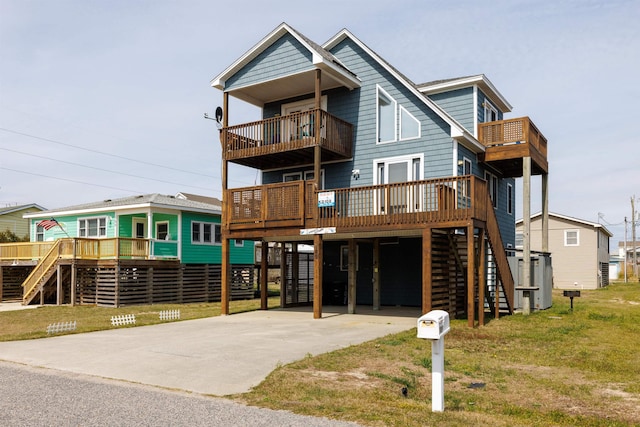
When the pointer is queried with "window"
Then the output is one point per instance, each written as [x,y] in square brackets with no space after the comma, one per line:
[39,234]
[238,243]
[92,227]
[510,199]
[571,238]
[344,258]
[398,170]
[519,240]
[492,182]
[308,176]
[490,112]
[386,117]
[206,233]
[409,125]
[162,230]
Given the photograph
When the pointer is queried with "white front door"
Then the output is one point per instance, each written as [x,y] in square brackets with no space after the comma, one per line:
[139,228]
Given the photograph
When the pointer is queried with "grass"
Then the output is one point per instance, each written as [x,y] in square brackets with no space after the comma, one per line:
[552,368]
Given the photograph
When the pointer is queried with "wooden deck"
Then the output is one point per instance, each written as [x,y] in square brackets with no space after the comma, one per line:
[507,142]
[286,141]
[289,207]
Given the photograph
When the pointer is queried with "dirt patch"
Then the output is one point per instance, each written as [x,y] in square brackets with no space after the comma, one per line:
[355,378]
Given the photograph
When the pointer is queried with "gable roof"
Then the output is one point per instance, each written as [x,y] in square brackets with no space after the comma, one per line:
[480,80]
[154,200]
[322,59]
[10,209]
[570,219]
[198,198]
[458,131]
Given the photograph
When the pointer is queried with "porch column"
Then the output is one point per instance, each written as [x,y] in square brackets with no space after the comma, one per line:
[283,274]
[526,234]
[471,259]
[317,151]
[58,284]
[545,212]
[482,279]
[264,276]
[317,276]
[351,283]
[426,270]
[295,269]
[225,291]
[376,274]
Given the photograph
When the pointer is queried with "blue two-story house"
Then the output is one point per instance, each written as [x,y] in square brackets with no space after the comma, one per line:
[405,191]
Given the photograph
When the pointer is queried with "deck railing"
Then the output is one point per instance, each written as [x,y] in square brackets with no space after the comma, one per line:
[287,133]
[95,249]
[295,204]
[513,131]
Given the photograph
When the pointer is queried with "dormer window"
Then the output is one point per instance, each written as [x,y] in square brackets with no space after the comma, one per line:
[490,112]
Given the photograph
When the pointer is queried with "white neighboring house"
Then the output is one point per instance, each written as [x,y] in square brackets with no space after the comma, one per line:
[579,250]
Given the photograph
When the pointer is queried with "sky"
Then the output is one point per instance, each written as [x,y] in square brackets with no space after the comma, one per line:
[105,99]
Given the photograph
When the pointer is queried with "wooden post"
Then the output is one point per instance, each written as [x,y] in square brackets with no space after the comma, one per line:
[352,277]
[283,274]
[58,284]
[426,270]
[471,315]
[376,274]
[1,282]
[294,273]
[482,278]
[545,212]
[225,291]
[317,151]
[264,276]
[317,276]
[225,278]
[526,234]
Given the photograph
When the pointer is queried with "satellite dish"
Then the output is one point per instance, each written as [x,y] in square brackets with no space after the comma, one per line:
[218,114]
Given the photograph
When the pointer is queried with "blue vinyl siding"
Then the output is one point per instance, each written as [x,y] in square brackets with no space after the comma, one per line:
[284,57]
[458,104]
[481,99]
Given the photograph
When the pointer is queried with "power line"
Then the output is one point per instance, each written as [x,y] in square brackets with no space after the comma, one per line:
[103,153]
[101,169]
[70,180]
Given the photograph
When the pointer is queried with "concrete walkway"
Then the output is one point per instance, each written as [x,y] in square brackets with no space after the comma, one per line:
[214,356]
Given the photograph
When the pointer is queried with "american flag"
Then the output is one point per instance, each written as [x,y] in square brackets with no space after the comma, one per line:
[48,223]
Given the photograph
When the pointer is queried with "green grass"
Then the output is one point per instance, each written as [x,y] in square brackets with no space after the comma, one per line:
[552,368]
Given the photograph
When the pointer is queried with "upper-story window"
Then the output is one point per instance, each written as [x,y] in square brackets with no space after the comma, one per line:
[386,116]
[206,233]
[162,230]
[409,125]
[571,238]
[492,182]
[39,233]
[490,112]
[92,227]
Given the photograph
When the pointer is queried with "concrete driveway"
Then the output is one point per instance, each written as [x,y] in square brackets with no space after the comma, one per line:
[214,356]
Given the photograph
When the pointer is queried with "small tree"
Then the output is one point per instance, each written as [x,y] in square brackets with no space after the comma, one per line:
[9,236]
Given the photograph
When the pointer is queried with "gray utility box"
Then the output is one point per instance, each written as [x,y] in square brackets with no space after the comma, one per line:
[541,278]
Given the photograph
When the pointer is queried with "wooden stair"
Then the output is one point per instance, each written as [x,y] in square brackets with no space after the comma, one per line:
[503,271]
[41,274]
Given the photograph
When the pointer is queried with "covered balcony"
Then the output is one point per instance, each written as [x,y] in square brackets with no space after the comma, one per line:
[508,142]
[290,140]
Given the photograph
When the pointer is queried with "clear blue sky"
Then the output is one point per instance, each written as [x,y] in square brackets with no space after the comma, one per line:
[131,79]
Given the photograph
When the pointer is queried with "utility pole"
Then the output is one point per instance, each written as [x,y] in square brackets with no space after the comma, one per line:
[626,254]
[633,236]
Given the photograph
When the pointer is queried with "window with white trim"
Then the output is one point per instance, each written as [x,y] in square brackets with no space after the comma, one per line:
[162,230]
[238,243]
[409,125]
[519,240]
[308,176]
[386,116]
[510,199]
[39,233]
[92,227]
[490,112]
[205,233]
[492,182]
[572,237]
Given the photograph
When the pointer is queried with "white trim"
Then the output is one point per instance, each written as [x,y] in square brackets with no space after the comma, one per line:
[411,116]
[398,159]
[475,111]
[305,174]
[510,199]
[488,108]
[155,228]
[307,102]
[394,104]
[478,80]
[572,230]
[106,226]
[238,245]
[201,240]
[138,220]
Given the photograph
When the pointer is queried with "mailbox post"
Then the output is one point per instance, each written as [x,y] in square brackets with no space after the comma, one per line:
[434,326]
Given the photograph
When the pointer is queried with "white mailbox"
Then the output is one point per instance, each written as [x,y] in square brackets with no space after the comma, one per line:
[433,325]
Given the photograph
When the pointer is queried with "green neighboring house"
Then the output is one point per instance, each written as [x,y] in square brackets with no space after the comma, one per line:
[11,218]
[142,249]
